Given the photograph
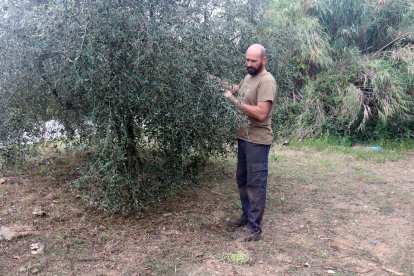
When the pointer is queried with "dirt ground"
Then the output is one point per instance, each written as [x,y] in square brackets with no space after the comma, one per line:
[328,213]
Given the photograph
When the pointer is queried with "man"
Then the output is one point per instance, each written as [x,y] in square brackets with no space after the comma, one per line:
[255,97]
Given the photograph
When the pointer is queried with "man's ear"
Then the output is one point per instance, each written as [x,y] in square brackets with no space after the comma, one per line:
[264,60]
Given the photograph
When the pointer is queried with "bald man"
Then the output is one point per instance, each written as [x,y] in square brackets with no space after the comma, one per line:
[255,97]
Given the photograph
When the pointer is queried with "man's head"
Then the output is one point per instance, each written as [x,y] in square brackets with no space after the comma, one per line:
[256,59]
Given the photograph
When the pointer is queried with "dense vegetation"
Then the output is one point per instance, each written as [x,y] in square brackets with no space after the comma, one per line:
[351,76]
[129,80]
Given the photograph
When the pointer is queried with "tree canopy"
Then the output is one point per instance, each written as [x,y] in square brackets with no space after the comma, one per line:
[128,79]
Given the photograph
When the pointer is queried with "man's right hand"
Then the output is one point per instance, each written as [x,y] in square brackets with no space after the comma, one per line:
[228,94]
[231,87]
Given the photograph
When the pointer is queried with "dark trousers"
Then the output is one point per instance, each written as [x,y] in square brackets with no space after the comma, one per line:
[252,168]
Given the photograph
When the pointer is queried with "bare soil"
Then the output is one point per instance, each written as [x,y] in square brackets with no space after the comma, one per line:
[327,214]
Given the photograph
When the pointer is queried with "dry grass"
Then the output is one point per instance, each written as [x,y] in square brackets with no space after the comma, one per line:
[326,211]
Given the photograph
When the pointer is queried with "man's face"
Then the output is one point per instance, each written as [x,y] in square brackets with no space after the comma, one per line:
[254,64]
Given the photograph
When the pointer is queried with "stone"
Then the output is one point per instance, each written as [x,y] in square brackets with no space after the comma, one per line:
[6,233]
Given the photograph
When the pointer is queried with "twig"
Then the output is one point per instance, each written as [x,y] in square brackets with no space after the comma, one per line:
[292,264]
[398,38]
[346,256]
[331,239]
[365,272]
[217,193]
[94,260]
[392,271]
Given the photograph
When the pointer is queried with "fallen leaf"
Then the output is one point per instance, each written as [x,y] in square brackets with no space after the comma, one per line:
[393,271]
[39,212]
[37,248]
[198,254]
[170,232]
[283,258]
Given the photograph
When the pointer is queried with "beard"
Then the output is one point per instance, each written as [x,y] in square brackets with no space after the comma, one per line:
[254,71]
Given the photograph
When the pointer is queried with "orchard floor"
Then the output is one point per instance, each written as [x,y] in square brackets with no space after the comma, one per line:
[327,213]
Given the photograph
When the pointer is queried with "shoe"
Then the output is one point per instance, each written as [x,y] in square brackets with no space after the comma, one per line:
[235,223]
[246,234]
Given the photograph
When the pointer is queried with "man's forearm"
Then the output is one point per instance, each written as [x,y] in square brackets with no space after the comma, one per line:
[255,111]
[258,112]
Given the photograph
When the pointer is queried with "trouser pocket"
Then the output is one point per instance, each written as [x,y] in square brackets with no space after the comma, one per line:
[258,174]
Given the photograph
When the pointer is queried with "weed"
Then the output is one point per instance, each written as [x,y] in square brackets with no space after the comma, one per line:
[322,255]
[363,174]
[387,208]
[43,170]
[157,266]
[276,201]
[239,258]
[103,238]
[366,254]
[407,260]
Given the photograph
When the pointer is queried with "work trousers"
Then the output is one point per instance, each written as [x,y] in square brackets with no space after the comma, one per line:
[252,169]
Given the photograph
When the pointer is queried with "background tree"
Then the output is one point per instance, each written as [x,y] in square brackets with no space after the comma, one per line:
[350,74]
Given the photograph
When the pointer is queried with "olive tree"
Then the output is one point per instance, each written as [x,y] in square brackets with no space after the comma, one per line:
[130,80]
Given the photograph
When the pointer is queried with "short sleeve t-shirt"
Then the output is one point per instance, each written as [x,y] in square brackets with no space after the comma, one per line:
[254,89]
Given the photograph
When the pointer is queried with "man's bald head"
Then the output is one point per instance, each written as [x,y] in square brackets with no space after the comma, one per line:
[256,49]
[256,59]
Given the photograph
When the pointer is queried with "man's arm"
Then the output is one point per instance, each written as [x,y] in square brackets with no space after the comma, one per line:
[258,112]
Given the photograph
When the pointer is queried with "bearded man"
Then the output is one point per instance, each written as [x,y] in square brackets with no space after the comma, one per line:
[255,96]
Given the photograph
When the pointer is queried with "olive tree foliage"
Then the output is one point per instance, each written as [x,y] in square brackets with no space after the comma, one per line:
[129,80]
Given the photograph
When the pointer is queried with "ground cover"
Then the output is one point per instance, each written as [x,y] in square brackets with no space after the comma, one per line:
[328,212]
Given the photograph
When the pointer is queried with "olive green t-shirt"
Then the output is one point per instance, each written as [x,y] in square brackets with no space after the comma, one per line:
[254,89]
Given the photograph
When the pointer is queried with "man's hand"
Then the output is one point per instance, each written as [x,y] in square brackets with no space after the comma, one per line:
[228,94]
[212,77]
[259,112]
[232,87]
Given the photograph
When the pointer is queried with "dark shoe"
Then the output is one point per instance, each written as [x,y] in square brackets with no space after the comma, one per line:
[246,234]
[235,223]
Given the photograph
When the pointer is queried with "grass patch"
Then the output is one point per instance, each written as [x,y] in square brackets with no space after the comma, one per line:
[326,191]
[157,267]
[43,158]
[363,174]
[238,258]
[406,259]
[322,255]
[387,208]
[389,150]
